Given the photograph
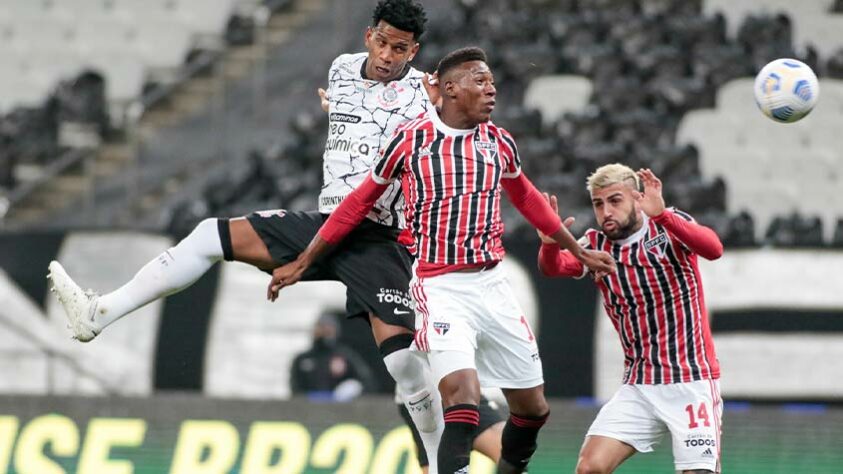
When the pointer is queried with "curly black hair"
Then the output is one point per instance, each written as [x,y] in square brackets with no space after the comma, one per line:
[406,15]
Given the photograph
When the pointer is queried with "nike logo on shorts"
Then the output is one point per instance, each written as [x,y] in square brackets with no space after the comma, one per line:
[398,311]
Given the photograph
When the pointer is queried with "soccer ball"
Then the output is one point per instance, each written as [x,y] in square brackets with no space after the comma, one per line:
[786,90]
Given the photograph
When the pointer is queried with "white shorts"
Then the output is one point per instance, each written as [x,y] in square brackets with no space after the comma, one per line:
[639,415]
[472,321]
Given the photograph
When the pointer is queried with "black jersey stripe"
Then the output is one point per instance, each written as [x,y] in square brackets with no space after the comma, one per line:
[688,316]
[651,312]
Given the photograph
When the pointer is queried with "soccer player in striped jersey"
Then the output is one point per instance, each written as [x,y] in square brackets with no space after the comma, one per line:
[655,301]
[452,166]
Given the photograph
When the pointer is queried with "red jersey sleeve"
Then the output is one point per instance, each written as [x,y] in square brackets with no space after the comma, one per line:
[697,238]
[351,211]
[531,204]
[555,262]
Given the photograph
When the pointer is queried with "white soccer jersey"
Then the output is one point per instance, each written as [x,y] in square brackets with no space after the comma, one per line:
[363,114]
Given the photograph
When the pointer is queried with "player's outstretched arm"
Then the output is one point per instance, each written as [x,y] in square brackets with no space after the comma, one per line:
[530,203]
[553,261]
[700,239]
[343,220]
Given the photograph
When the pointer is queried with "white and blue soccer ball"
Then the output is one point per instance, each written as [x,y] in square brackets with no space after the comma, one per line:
[786,90]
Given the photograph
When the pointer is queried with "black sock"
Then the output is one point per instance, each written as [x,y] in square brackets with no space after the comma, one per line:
[518,442]
[455,448]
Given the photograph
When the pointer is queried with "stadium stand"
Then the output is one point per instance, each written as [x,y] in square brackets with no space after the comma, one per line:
[140,54]
[771,169]
[578,89]
[552,96]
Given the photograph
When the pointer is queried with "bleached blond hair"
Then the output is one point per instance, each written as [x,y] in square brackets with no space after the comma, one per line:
[608,175]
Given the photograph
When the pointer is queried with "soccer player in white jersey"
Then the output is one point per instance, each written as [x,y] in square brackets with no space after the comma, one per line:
[369,95]
[452,167]
[655,301]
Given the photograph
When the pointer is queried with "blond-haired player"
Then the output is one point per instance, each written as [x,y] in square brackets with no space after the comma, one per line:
[655,301]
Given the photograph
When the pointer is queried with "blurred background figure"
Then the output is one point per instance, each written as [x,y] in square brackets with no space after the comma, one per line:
[330,370]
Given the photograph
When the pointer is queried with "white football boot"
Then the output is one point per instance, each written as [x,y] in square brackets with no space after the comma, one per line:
[79,306]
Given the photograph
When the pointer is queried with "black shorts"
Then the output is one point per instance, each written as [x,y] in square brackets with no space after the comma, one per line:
[489,415]
[371,263]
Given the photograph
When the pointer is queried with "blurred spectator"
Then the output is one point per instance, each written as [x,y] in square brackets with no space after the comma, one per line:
[837,239]
[7,163]
[767,38]
[82,99]
[835,65]
[330,370]
[240,30]
[795,231]
[740,231]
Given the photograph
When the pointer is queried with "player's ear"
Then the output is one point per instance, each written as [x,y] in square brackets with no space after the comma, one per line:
[413,52]
[367,36]
[449,88]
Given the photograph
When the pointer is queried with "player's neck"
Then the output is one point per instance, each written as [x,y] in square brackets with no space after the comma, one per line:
[453,118]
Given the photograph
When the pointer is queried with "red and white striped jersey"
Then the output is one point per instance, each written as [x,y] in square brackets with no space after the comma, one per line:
[450,179]
[655,301]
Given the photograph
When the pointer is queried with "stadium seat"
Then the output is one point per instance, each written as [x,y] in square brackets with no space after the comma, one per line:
[736,11]
[812,22]
[208,17]
[100,10]
[162,44]
[555,95]
[32,9]
[41,34]
[124,75]
[21,91]
[203,17]
[822,32]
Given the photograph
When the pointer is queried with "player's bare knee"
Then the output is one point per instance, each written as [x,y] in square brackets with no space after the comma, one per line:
[590,465]
[460,387]
[538,407]
[527,402]
[460,396]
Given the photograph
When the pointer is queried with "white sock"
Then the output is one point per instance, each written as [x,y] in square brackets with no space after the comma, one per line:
[172,271]
[414,383]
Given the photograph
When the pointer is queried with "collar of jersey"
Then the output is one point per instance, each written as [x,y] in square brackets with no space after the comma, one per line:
[406,71]
[440,125]
[638,235]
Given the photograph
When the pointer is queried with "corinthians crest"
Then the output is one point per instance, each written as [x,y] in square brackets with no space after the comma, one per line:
[388,97]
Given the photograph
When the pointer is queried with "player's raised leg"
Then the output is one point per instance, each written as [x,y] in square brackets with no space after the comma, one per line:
[173,270]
